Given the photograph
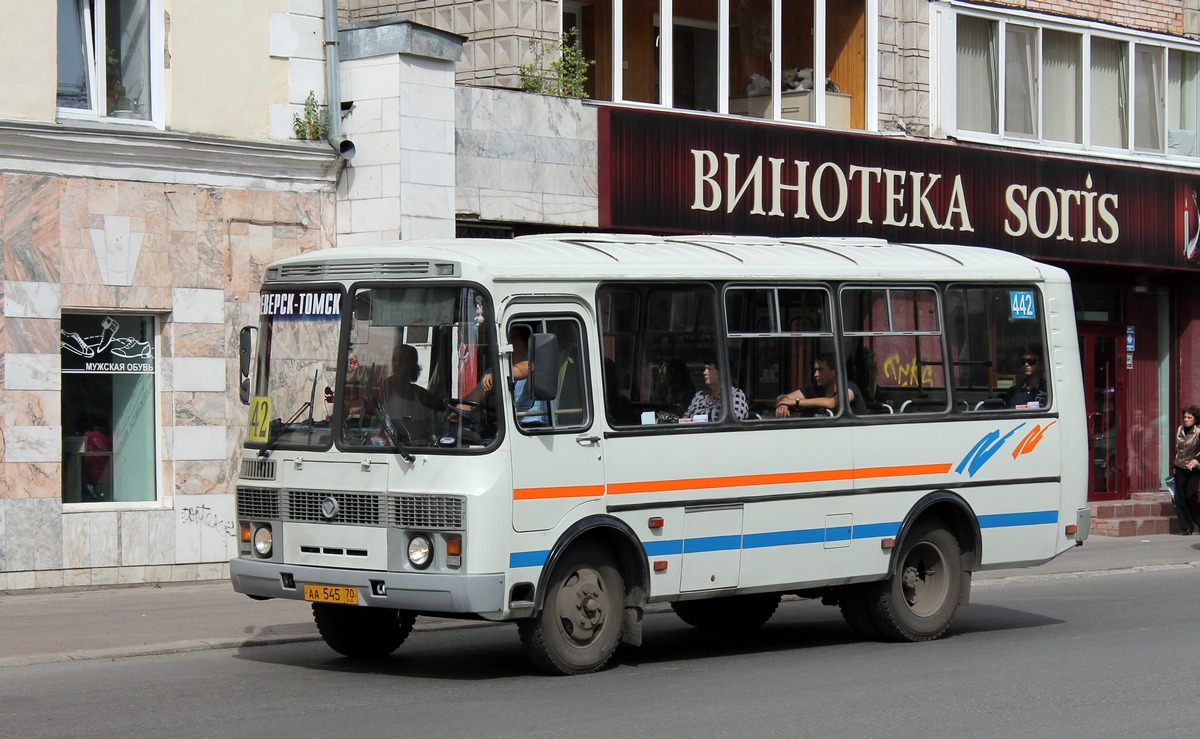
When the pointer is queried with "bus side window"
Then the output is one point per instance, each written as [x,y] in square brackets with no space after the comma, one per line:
[894,345]
[569,409]
[990,329]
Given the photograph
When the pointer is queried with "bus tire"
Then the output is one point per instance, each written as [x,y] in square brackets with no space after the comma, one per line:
[855,605]
[360,632]
[918,602]
[579,626]
[736,612]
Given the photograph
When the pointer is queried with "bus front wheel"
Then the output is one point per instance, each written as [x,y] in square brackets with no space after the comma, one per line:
[362,633]
[918,602]
[579,626]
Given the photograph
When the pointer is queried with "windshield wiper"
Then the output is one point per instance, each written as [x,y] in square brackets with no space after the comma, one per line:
[278,425]
[386,424]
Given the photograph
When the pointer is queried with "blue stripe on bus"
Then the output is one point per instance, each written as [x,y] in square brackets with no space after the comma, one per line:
[528,559]
[1029,518]
[712,544]
[663,547]
[666,547]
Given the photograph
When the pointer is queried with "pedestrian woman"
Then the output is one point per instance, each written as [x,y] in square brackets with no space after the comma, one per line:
[1187,470]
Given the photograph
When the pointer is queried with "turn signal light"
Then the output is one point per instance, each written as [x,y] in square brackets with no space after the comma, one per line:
[660,565]
[1072,529]
[888,543]
[655,522]
[246,532]
[454,547]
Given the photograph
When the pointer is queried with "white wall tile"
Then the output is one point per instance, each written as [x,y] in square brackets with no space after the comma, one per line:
[366,81]
[305,76]
[104,549]
[297,36]
[135,537]
[193,443]
[33,444]
[32,300]
[199,374]
[32,371]
[197,305]
[377,214]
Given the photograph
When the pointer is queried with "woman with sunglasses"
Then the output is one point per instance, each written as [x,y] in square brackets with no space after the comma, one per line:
[1187,470]
[1030,392]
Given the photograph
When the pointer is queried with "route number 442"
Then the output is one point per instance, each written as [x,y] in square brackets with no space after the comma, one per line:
[1022,304]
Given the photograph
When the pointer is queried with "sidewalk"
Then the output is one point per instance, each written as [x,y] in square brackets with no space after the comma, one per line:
[53,626]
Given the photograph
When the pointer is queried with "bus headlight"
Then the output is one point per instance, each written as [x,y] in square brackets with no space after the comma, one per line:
[263,541]
[420,551]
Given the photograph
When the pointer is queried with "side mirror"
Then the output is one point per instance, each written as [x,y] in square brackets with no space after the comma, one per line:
[245,355]
[543,366]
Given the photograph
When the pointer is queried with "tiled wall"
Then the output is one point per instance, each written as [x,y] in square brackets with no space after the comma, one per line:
[498,31]
[193,256]
[526,158]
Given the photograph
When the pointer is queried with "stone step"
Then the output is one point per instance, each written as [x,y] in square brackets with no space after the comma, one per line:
[1144,514]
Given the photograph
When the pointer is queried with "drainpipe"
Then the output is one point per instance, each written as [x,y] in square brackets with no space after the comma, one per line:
[333,91]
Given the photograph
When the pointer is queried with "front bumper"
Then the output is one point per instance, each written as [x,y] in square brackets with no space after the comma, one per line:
[420,592]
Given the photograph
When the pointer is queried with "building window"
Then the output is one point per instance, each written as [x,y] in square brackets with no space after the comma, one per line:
[1029,79]
[108,408]
[806,60]
[106,53]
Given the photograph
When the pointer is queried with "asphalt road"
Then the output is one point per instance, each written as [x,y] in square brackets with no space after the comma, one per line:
[1105,656]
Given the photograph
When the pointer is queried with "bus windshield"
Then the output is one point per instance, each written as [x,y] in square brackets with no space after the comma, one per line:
[297,360]
[414,359]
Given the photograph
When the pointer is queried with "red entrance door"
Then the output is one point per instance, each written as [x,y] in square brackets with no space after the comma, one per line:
[1101,349]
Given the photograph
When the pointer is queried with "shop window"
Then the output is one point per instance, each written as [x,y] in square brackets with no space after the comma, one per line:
[108,408]
[106,57]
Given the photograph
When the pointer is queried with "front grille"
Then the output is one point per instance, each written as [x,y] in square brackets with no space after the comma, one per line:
[441,512]
[258,469]
[257,503]
[352,508]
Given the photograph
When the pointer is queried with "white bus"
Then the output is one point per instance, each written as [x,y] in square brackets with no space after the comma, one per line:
[650,448]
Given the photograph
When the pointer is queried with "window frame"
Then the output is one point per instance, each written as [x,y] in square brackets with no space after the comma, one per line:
[92,27]
[944,20]
[726,23]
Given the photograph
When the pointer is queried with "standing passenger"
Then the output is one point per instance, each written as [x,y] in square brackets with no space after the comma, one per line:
[1187,454]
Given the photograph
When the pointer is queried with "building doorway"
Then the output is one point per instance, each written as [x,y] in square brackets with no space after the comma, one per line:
[1100,351]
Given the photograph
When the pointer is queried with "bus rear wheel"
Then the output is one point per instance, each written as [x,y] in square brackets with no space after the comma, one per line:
[737,612]
[362,633]
[579,626]
[919,600]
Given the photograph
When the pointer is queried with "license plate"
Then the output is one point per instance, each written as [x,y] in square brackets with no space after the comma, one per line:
[331,594]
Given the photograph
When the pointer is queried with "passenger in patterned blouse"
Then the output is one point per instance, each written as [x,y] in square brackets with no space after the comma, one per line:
[821,393]
[707,404]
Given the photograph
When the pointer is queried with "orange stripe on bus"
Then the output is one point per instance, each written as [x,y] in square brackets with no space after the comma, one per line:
[573,491]
[781,478]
